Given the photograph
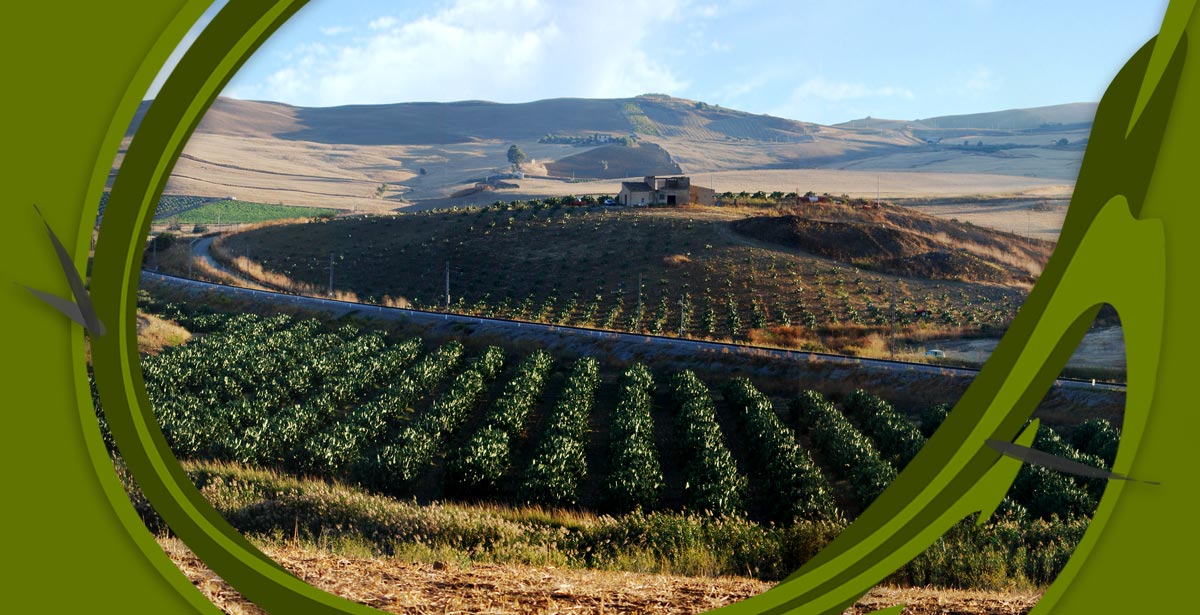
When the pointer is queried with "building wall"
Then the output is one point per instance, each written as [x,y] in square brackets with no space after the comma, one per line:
[703,196]
[635,197]
[684,193]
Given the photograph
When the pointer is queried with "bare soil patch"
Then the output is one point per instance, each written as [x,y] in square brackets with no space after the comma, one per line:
[884,249]
[426,588]
[904,242]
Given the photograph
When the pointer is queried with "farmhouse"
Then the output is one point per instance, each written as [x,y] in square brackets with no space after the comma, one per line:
[664,191]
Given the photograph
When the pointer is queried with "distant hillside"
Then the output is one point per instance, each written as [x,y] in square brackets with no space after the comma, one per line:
[1019,119]
[424,123]
[1071,114]
[615,161]
[425,152]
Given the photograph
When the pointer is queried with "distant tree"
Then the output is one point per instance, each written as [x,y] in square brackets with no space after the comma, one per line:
[516,156]
[1061,142]
[422,171]
[162,241]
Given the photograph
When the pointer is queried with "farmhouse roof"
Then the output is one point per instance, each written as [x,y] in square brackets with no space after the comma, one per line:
[636,186]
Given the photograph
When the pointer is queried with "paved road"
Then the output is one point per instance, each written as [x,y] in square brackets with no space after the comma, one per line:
[340,308]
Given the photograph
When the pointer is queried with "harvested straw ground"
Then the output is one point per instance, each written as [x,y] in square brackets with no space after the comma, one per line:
[426,588]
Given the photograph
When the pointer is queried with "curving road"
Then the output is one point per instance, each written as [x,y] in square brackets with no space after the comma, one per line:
[340,308]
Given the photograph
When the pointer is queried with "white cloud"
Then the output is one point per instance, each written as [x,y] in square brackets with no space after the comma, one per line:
[382,23]
[334,30]
[819,99]
[981,80]
[841,90]
[506,51]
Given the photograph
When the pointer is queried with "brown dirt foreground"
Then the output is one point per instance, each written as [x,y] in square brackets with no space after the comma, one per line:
[421,588]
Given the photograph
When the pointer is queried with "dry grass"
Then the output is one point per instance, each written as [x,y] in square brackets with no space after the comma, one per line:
[793,337]
[155,334]
[1029,217]
[923,600]
[277,281]
[420,588]
[892,184]
[203,270]
[676,260]
[1014,259]
[427,588]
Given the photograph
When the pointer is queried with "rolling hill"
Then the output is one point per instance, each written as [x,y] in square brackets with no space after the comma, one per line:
[1038,118]
[425,152]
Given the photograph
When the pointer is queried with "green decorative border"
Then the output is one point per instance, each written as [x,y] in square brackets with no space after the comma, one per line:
[1125,242]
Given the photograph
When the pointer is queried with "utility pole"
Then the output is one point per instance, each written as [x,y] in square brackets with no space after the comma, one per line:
[892,328]
[447,286]
[331,274]
[682,312]
[191,255]
[639,307]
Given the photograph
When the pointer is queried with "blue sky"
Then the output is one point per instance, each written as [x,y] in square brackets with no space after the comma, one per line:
[811,60]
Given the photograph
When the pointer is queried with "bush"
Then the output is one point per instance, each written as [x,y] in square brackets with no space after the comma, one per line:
[847,452]
[635,477]
[163,241]
[791,485]
[559,465]
[713,482]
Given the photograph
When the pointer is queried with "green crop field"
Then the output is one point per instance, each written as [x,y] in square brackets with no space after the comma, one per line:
[241,212]
[170,204]
[582,267]
[402,419]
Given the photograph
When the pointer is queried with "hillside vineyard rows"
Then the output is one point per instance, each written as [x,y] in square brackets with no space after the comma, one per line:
[405,419]
[632,271]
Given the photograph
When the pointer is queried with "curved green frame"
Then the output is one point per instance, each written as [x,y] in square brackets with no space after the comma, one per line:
[955,475]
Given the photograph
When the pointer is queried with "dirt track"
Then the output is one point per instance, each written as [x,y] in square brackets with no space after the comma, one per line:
[1099,348]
